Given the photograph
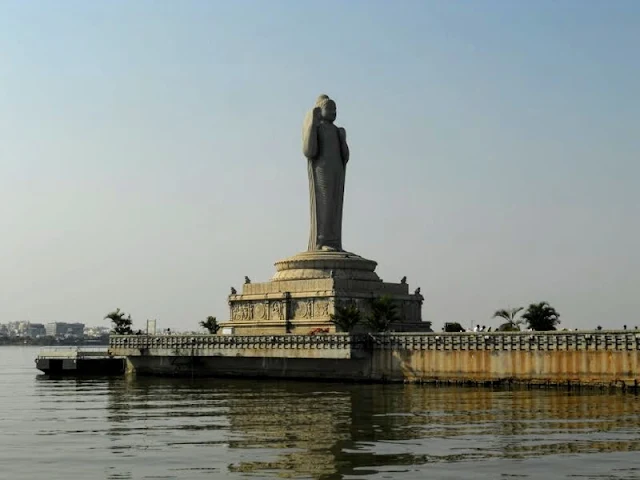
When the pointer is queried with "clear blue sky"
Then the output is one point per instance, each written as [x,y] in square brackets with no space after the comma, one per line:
[150,152]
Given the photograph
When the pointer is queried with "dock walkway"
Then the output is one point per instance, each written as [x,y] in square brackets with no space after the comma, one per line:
[79,360]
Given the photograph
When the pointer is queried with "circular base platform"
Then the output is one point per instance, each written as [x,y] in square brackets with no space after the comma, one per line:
[320,264]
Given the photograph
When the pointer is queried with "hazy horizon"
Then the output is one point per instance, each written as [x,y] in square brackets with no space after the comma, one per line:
[150,153]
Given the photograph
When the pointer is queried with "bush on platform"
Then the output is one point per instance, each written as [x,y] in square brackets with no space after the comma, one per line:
[121,324]
[383,314]
[541,317]
[346,318]
[453,327]
[512,323]
[211,325]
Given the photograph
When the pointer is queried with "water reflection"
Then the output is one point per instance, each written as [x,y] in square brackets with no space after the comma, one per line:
[149,428]
[333,430]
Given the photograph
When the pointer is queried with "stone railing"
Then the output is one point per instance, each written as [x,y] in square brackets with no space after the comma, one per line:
[628,340]
[236,342]
[625,340]
[73,352]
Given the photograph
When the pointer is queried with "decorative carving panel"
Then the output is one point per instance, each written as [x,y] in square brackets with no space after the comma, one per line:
[242,311]
[276,310]
[321,309]
[260,311]
[303,309]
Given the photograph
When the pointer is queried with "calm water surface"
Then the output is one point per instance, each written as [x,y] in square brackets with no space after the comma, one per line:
[166,429]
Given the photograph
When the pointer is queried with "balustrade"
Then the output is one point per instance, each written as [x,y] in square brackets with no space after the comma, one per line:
[501,341]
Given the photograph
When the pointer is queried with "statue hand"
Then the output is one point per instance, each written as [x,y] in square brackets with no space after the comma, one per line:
[317,116]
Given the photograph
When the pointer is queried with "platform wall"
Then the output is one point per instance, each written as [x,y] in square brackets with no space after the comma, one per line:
[553,358]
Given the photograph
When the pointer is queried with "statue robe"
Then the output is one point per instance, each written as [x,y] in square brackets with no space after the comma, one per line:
[327,154]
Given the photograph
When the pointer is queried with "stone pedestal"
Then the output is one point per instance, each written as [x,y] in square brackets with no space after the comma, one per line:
[306,289]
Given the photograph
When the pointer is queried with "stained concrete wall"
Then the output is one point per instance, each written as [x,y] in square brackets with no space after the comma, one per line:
[601,367]
[597,358]
[268,367]
[587,358]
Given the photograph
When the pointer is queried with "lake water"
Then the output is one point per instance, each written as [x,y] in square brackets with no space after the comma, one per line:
[149,428]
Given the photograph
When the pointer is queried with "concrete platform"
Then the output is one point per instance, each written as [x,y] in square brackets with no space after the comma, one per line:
[79,361]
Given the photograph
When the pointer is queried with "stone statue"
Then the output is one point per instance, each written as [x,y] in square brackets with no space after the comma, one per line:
[247,280]
[233,291]
[325,147]
[403,280]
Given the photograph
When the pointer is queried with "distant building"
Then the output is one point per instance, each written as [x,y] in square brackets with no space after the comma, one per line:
[35,330]
[22,328]
[93,332]
[62,329]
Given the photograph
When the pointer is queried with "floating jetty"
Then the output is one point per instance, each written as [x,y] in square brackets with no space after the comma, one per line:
[79,361]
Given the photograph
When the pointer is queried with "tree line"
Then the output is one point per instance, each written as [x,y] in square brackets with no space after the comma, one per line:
[122,323]
[382,314]
[540,317]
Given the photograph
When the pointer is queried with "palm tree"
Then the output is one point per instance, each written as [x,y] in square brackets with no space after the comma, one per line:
[541,316]
[346,318]
[509,314]
[383,313]
[210,324]
[121,324]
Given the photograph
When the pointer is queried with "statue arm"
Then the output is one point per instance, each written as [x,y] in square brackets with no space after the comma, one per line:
[310,134]
[344,148]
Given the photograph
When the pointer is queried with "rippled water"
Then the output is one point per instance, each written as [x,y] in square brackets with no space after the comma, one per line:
[146,428]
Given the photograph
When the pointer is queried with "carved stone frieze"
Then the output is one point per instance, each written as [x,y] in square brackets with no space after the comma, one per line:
[242,311]
[301,310]
[277,310]
[321,309]
[306,308]
[260,311]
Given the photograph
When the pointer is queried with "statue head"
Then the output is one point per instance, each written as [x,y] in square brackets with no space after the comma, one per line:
[327,108]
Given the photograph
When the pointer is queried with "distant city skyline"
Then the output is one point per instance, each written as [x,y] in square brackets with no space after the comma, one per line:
[150,153]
